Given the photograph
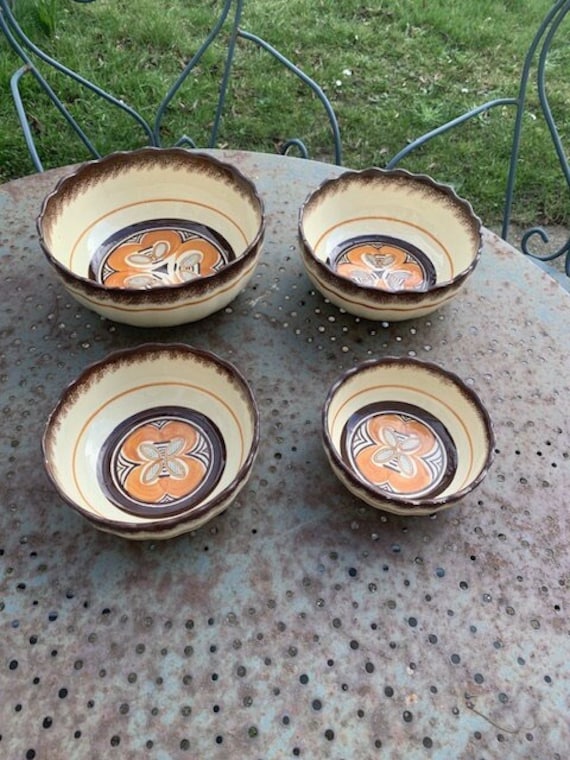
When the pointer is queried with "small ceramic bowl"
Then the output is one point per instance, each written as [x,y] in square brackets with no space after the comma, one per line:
[406,436]
[388,245]
[153,441]
[153,237]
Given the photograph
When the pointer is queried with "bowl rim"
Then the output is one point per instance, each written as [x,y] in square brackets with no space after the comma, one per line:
[120,158]
[377,294]
[402,503]
[128,526]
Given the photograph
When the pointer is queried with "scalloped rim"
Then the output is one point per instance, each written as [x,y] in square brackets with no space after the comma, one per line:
[374,293]
[156,293]
[131,355]
[401,503]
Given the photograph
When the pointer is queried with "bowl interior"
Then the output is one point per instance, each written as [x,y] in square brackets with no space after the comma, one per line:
[151,433]
[151,218]
[407,430]
[391,230]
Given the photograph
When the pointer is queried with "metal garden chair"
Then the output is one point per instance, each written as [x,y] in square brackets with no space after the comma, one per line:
[538,51]
[31,55]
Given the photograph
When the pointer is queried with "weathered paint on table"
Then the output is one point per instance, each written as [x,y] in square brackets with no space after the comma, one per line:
[301,622]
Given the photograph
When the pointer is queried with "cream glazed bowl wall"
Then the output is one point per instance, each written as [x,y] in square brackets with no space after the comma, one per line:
[153,237]
[406,436]
[388,245]
[153,441]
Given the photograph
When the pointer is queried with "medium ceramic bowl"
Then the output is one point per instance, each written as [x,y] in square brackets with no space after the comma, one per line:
[406,436]
[388,245]
[153,441]
[153,237]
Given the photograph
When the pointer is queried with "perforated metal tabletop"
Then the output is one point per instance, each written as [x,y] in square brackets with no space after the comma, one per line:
[301,623]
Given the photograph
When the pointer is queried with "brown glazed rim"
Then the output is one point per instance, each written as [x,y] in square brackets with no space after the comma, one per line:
[128,356]
[401,174]
[71,182]
[437,503]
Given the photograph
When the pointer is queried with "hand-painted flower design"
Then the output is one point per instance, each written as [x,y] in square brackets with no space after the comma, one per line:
[399,453]
[383,266]
[158,463]
[160,257]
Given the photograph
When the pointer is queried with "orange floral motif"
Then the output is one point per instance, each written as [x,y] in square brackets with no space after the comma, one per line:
[395,455]
[160,257]
[164,468]
[383,266]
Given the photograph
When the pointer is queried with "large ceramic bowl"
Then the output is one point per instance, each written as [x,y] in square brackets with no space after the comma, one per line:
[388,245]
[153,441]
[406,436]
[153,237]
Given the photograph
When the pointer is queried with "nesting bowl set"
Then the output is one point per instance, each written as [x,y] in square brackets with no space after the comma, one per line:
[156,440]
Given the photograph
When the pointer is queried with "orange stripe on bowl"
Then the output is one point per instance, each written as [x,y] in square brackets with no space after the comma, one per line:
[420,392]
[384,307]
[185,305]
[391,219]
[126,393]
[143,203]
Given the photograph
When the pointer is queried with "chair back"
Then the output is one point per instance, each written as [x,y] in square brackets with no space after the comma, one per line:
[226,28]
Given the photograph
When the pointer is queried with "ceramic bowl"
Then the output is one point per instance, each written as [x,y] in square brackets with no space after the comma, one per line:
[153,441]
[388,245]
[406,436]
[153,237]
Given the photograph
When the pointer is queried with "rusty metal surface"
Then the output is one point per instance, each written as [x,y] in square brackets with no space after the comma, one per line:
[301,622]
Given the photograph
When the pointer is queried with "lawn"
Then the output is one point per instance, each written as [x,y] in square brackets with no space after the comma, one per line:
[392,70]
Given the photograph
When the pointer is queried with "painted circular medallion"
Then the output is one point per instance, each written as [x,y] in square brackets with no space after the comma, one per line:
[157,253]
[399,449]
[383,262]
[161,461]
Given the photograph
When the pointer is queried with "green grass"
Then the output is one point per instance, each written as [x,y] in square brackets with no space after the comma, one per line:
[392,70]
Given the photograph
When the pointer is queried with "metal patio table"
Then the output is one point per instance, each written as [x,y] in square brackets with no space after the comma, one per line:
[301,622]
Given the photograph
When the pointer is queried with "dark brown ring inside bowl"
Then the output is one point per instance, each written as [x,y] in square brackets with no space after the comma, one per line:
[161,461]
[158,253]
[399,449]
[383,262]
